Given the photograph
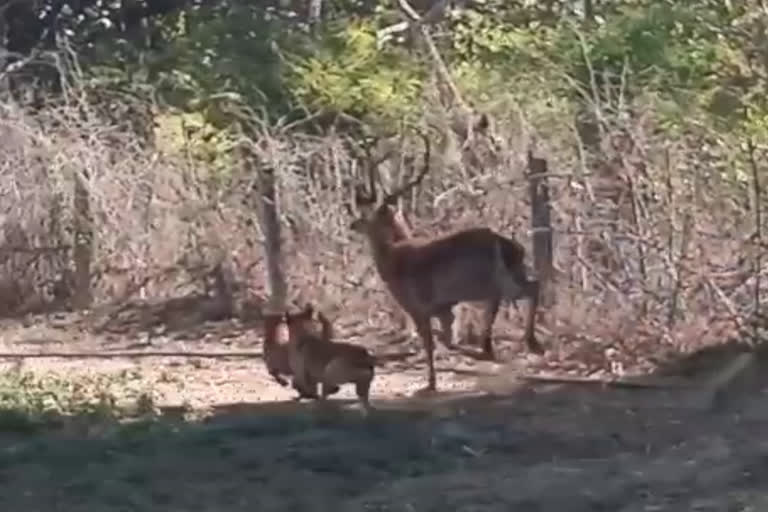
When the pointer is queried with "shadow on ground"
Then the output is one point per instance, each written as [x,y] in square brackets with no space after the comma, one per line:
[544,448]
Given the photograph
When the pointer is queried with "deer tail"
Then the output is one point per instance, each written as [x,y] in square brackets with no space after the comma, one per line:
[512,257]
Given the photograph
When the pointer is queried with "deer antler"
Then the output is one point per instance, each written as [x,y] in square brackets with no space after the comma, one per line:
[369,196]
[393,196]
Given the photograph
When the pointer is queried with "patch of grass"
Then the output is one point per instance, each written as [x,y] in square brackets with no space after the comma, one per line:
[250,462]
[31,401]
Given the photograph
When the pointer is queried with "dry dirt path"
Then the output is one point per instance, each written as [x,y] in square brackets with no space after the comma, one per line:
[202,381]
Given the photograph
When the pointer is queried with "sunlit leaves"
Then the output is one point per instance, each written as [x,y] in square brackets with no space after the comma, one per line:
[345,71]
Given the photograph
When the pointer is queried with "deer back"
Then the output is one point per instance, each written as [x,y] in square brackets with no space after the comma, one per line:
[470,265]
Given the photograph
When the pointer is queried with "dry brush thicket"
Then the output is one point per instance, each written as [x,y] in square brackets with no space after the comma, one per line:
[652,242]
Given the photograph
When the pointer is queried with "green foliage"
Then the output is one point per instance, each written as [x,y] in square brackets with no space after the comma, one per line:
[656,48]
[207,60]
[195,136]
[214,59]
[699,60]
[211,52]
[345,71]
[30,401]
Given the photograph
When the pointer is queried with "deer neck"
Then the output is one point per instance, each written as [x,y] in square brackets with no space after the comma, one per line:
[400,229]
[383,250]
[384,247]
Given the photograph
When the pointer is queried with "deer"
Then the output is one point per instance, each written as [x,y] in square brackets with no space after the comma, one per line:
[277,357]
[401,230]
[428,276]
[445,316]
[315,357]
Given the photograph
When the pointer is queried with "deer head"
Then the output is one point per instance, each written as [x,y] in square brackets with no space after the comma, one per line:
[379,219]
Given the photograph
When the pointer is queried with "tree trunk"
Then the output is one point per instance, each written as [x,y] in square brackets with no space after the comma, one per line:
[315,13]
[83,246]
[270,223]
[269,218]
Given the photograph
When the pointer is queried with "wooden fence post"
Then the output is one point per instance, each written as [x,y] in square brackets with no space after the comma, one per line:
[264,198]
[541,226]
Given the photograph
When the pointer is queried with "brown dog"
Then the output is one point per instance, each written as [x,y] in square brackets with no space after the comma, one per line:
[276,358]
[314,357]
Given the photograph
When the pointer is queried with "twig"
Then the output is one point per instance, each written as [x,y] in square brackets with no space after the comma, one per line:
[677,269]
[758,236]
[133,354]
[440,67]
[605,280]
[727,302]
[33,250]
[129,354]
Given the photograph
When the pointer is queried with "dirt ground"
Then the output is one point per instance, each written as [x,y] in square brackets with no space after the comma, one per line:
[524,447]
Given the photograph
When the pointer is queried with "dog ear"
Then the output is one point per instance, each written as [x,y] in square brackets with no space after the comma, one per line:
[308,311]
[326,326]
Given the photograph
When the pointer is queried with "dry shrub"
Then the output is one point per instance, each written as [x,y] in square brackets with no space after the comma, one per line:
[652,239]
[149,215]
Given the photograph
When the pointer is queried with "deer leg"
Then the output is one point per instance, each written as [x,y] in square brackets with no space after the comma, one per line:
[400,316]
[446,319]
[305,389]
[532,288]
[278,378]
[489,317]
[330,389]
[363,390]
[424,329]
[302,381]
[327,390]
[333,376]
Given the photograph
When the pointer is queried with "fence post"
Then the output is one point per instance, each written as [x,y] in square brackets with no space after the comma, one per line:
[263,196]
[541,226]
[83,243]
[270,224]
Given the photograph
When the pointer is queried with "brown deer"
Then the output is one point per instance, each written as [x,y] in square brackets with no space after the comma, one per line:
[316,358]
[445,316]
[428,276]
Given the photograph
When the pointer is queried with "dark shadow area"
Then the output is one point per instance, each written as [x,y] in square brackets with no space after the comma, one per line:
[548,448]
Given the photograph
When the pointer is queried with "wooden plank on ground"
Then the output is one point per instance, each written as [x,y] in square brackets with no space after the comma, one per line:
[644,382]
